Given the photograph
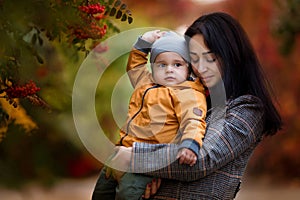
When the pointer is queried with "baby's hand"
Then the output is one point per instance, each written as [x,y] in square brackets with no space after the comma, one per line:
[187,156]
[152,36]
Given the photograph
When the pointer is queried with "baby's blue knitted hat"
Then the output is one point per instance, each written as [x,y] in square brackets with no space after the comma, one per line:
[170,42]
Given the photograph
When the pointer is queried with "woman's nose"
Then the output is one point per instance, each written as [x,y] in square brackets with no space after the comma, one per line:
[202,67]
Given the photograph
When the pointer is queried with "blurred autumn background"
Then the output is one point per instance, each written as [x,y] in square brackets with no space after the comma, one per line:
[43,44]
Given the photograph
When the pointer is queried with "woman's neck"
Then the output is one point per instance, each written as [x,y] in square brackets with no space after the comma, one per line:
[218,94]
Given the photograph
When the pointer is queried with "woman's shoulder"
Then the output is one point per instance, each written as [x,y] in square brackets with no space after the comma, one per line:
[245,100]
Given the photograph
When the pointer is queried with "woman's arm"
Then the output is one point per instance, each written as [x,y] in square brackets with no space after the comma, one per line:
[226,138]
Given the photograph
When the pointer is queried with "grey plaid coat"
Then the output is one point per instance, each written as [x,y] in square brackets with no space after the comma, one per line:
[231,136]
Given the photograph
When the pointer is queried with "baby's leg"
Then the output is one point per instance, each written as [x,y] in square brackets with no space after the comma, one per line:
[104,188]
[132,186]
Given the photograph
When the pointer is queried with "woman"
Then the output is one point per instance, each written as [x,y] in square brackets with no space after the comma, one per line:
[223,57]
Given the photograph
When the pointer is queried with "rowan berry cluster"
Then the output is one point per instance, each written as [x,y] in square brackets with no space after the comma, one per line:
[92,9]
[93,31]
[22,91]
[90,14]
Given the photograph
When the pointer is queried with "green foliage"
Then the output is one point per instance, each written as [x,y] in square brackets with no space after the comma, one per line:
[118,9]
[45,41]
[26,26]
[104,97]
[33,31]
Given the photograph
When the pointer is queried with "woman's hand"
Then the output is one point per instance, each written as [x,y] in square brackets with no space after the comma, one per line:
[187,156]
[151,188]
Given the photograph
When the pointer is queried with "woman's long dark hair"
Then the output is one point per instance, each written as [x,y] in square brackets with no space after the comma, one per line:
[241,70]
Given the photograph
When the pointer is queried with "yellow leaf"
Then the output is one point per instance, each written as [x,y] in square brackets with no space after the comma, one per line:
[3,130]
[17,116]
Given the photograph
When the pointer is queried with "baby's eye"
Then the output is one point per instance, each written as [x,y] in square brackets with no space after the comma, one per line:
[178,65]
[160,65]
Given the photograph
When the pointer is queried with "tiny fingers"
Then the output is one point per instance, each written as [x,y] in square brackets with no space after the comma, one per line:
[182,159]
[187,159]
[193,161]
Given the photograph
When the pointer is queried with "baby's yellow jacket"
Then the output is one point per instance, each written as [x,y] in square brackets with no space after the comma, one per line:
[160,114]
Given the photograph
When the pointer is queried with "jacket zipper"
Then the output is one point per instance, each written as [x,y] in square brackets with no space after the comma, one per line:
[142,104]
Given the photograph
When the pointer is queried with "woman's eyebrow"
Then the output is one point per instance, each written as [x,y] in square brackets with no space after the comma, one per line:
[204,53]
[208,52]
[193,53]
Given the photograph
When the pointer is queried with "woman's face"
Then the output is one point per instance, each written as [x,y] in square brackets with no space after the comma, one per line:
[204,62]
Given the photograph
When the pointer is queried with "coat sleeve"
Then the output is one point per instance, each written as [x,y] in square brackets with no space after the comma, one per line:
[190,106]
[226,138]
[137,64]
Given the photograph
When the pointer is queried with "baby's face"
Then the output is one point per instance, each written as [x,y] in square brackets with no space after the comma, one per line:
[169,68]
